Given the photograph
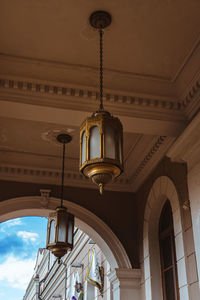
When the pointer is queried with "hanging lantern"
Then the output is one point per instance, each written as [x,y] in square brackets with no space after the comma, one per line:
[101,148]
[60,229]
[101,135]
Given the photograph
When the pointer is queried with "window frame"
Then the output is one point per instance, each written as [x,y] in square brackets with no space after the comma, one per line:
[163,234]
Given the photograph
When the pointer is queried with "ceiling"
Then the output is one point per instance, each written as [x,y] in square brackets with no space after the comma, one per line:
[49,82]
[145,38]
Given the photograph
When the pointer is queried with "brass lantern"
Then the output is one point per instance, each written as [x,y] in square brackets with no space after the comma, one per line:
[60,229]
[101,135]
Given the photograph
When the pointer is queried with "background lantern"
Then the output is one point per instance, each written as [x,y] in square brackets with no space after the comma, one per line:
[60,229]
[101,135]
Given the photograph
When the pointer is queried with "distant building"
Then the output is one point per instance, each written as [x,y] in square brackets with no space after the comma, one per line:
[52,280]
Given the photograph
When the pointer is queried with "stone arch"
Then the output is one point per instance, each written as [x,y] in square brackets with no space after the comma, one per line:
[84,219]
[162,189]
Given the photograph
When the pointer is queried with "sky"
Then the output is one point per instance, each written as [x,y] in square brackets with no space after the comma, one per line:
[19,242]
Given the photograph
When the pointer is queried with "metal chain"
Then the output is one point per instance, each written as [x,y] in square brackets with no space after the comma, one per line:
[101,68]
[63,175]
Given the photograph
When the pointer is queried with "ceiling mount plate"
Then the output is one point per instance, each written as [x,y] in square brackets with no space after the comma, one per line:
[64,138]
[100,19]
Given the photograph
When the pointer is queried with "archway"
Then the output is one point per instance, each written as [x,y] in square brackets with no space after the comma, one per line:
[163,189]
[84,219]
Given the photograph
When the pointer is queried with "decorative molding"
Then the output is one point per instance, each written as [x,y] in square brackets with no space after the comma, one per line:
[191,102]
[139,100]
[153,106]
[31,174]
[148,156]
[186,205]
[74,178]
[91,94]
[45,194]
[151,159]
[191,94]
[51,135]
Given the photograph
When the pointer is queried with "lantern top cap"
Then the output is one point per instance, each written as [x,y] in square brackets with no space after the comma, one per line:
[64,138]
[59,208]
[100,19]
[101,112]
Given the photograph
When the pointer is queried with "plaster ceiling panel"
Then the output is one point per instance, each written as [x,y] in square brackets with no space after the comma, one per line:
[148,38]
[130,141]
[36,137]
[31,143]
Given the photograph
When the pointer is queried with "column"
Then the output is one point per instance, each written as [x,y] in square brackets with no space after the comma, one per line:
[125,284]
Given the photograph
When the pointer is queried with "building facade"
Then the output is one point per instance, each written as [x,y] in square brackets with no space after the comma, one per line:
[52,279]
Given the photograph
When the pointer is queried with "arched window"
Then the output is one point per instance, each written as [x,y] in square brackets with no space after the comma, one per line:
[167,254]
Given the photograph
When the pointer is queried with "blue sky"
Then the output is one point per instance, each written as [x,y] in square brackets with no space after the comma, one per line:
[19,242]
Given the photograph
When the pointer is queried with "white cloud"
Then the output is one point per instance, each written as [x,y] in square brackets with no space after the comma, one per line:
[17,273]
[28,236]
[10,223]
[13,222]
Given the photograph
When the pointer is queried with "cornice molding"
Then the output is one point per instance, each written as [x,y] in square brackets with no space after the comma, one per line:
[51,176]
[45,176]
[151,159]
[79,98]
[191,102]
[148,156]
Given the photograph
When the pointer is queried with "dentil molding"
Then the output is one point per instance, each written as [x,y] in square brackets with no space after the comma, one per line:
[73,97]
[123,183]
[45,176]
[146,101]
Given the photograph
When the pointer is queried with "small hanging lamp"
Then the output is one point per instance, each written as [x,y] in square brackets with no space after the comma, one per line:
[101,135]
[60,229]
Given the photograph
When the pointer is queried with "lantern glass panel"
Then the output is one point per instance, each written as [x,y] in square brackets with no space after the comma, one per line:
[83,152]
[120,149]
[52,232]
[94,142]
[70,229]
[110,151]
[62,228]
